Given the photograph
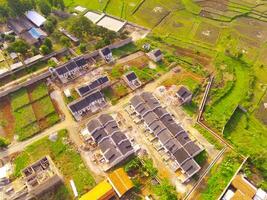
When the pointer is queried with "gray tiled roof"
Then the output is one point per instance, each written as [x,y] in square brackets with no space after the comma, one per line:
[192,148]
[181,155]
[105,118]
[172,136]
[136,101]
[93,125]
[113,144]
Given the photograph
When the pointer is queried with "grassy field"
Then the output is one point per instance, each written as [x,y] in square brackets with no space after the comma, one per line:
[244,132]
[65,157]
[221,110]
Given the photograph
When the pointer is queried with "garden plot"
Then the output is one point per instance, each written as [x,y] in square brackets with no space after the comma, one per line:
[37,91]
[19,99]
[27,112]
[207,33]
[177,24]
[150,13]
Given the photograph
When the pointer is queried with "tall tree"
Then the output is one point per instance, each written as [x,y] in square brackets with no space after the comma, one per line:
[3,11]
[19,7]
[44,7]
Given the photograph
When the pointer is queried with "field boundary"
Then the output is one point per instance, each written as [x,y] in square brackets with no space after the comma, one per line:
[218,156]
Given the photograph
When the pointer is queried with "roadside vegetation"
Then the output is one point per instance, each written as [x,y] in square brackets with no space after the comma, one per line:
[220,175]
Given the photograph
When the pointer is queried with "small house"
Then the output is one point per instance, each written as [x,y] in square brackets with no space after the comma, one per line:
[132,80]
[106,54]
[155,55]
[90,103]
[98,84]
[184,95]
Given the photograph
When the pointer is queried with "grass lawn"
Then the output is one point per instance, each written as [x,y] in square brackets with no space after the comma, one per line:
[67,160]
[19,99]
[220,175]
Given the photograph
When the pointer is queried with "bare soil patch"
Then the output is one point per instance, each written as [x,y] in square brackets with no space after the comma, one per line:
[6,118]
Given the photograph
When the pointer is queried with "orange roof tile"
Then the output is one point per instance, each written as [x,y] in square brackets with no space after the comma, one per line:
[240,196]
[102,191]
[120,181]
[244,186]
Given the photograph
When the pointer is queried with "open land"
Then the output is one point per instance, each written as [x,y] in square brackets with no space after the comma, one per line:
[214,28]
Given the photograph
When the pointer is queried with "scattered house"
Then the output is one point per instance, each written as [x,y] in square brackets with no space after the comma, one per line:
[113,144]
[28,28]
[241,188]
[120,181]
[184,95]
[172,137]
[106,54]
[74,39]
[38,34]
[90,103]
[13,55]
[155,55]
[98,84]
[70,70]
[132,80]
[37,19]
[102,191]
[94,16]
[41,176]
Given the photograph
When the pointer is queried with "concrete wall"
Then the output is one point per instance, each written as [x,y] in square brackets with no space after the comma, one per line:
[25,84]
[45,58]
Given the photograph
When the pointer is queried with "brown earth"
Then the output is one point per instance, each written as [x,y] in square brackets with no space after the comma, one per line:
[7,117]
